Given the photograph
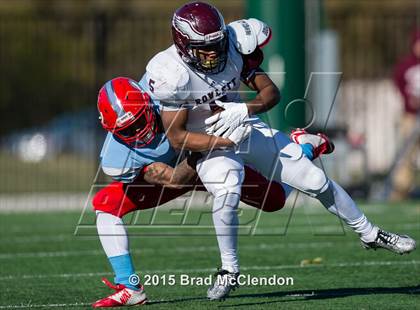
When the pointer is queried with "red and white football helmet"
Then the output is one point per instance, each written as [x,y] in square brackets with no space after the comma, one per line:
[126,111]
[200,36]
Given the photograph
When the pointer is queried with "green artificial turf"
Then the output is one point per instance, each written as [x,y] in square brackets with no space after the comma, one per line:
[44,265]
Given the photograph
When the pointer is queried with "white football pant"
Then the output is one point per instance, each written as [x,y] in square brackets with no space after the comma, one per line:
[271,153]
[222,173]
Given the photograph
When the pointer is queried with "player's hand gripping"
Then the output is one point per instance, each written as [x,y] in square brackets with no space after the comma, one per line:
[239,134]
[224,123]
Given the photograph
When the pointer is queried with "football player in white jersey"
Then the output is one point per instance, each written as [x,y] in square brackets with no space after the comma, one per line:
[201,72]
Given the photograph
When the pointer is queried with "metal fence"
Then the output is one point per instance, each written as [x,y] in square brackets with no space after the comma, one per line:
[52,65]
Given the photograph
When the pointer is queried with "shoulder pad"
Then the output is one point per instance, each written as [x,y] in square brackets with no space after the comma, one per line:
[247,34]
[168,79]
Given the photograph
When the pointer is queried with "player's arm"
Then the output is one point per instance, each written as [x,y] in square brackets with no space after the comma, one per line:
[163,174]
[235,114]
[174,123]
[251,35]
[268,95]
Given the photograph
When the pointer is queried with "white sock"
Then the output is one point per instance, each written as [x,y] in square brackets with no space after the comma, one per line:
[225,220]
[337,201]
[112,233]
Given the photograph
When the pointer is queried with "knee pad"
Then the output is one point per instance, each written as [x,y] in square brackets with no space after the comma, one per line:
[112,200]
[108,199]
[316,181]
[103,199]
[232,184]
[311,180]
[221,174]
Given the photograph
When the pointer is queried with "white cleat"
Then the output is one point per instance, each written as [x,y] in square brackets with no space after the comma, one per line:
[400,244]
[225,283]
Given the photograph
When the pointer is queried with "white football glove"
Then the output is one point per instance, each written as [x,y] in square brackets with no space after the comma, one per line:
[240,134]
[225,122]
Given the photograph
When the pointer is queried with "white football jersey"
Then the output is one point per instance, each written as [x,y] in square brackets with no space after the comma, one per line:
[178,86]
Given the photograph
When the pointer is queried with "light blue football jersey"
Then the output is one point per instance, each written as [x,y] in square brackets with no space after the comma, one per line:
[124,163]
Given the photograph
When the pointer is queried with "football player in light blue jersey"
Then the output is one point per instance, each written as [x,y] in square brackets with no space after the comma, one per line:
[124,163]
[147,172]
[135,152]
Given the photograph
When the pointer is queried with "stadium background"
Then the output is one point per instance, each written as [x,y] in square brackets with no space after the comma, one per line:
[54,56]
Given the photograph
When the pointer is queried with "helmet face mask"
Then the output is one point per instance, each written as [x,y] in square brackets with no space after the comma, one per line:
[140,131]
[126,111]
[210,57]
[200,36]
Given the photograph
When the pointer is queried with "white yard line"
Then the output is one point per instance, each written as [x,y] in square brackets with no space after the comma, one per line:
[38,239]
[199,270]
[322,229]
[185,249]
[49,254]
[189,249]
[332,230]
[169,271]
[317,228]
[59,275]
[27,306]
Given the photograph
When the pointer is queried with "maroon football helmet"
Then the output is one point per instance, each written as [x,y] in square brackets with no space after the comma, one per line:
[200,36]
